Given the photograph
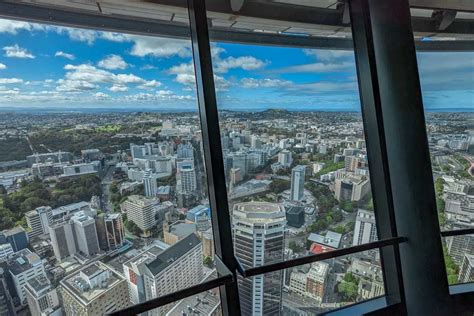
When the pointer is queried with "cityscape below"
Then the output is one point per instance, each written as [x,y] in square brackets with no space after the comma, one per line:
[105,209]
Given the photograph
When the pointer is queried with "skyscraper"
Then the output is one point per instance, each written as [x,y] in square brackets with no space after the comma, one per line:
[62,239]
[149,182]
[259,239]
[114,230]
[284,158]
[178,267]
[38,220]
[365,230]
[141,210]
[24,266]
[85,234]
[297,183]
[187,177]
[42,297]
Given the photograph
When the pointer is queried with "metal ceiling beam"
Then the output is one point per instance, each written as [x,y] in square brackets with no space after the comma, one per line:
[169,29]
[457,5]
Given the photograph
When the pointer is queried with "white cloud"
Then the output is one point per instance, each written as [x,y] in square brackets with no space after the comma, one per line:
[263,83]
[149,85]
[2,66]
[10,80]
[185,75]
[158,47]
[148,67]
[320,67]
[326,55]
[118,88]
[65,85]
[324,87]
[101,96]
[80,35]
[12,27]
[64,55]
[112,62]
[243,62]
[16,51]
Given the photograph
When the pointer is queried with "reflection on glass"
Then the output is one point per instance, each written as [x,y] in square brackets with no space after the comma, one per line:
[448,88]
[295,159]
[102,196]
[322,286]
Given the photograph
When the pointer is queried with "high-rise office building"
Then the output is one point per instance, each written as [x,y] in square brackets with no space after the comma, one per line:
[42,297]
[38,220]
[141,210]
[23,266]
[259,239]
[178,267]
[5,250]
[365,230]
[185,151]
[62,239]
[85,234]
[134,270]
[95,289]
[458,246]
[297,183]
[17,237]
[284,158]
[187,177]
[466,270]
[351,188]
[114,230]
[149,182]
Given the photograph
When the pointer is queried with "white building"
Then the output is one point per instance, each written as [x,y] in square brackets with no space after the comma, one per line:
[186,182]
[42,297]
[23,266]
[365,230]
[259,230]
[297,183]
[284,158]
[38,220]
[178,267]
[85,234]
[141,210]
[149,182]
[5,250]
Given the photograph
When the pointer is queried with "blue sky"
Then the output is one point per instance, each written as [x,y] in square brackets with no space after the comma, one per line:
[55,67]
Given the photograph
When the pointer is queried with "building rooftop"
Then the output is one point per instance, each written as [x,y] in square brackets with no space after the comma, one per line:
[332,239]
[13,231]
[76,285]
[182,229]
[173,253]
[22,261]
[38,284]
[259,209]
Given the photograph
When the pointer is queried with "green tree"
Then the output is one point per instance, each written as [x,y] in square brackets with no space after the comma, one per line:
[207,261]
[348,290]
[279,185]
[133,228]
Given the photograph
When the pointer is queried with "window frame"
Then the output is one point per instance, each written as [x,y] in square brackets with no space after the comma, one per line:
[364,16]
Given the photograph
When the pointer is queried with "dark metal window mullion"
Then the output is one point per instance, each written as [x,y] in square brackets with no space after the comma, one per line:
[208,112]
[376,150]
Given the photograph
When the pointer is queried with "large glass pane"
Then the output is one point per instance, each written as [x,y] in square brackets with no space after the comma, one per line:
[316,288]
[447,82]
[103,190]
[294,153]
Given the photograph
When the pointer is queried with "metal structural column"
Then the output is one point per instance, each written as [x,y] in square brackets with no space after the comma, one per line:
[391,95]
[206,96]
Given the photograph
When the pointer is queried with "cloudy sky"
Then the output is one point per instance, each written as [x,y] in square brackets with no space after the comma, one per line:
[55,67]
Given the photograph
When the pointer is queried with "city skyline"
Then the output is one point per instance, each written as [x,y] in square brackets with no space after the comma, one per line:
[87,70]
